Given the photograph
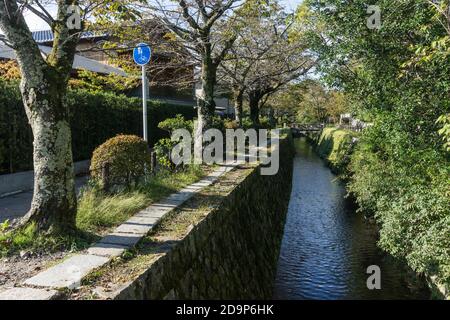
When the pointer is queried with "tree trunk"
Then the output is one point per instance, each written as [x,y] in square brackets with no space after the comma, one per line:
[238,94]
[53,208]
[272,118]
[254,99]
[43,88]
[206,103]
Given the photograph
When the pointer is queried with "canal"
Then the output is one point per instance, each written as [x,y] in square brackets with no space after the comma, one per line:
[327,246]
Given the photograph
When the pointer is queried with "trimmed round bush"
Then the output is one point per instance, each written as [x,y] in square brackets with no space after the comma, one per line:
[126,156]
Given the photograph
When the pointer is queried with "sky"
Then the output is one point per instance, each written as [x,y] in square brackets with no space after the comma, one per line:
[36,24]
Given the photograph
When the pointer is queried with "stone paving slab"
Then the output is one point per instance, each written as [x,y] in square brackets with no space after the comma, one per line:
[127,240]
[159,208]
[137,228]
[171,202]
[200,184]
[143,220]
[184,194]
[154,214]
[28,294]
[156,209]
[69,273]
[106,250]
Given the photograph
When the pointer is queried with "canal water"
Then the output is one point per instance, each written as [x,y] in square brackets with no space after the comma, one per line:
[327,246]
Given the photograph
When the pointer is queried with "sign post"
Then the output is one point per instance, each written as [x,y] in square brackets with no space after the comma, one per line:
[144,103]
[141,55]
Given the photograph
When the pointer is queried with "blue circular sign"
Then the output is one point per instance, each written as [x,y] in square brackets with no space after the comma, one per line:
[142,54]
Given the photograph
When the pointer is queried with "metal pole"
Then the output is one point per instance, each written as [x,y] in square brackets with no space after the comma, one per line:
[144,102]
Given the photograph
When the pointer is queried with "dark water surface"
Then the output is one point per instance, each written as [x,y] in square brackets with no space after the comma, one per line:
[327,246]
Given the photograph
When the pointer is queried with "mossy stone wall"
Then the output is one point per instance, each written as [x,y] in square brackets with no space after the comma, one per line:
[232,253]
[335,147]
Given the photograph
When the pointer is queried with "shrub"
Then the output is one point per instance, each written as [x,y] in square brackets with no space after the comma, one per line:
[218,123]
[16,139]
[264,123]
[172,124]
[230,124]
[246,123]
[128,157]
[406,188]
[163,148]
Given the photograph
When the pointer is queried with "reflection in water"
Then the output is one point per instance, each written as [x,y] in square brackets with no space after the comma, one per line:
[327,246]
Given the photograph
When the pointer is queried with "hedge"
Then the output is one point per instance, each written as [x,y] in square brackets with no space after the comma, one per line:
[95,117]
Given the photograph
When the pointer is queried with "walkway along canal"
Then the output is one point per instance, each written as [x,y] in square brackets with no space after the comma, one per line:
[327,246]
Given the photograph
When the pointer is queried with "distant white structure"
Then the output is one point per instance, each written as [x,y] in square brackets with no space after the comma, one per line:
[79,62]
[346,120]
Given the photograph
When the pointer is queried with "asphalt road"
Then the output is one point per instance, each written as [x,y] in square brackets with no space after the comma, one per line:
[17,205]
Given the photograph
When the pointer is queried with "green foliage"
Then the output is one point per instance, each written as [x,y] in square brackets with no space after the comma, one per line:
[94,118]
[409,197]
[178,122]
[218,123]
[246,123]
[335,146]
[30,240]
[4,225]
[128,157]
[97,210]
[309,102]
[164,146]
[264,123]
[397,77]
[163,149]
[444,120]
[98,82]
[16,139]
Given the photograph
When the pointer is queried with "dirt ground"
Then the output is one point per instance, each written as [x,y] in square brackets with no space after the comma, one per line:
[15,269]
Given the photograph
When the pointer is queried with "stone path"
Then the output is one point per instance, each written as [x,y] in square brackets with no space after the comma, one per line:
[70,272]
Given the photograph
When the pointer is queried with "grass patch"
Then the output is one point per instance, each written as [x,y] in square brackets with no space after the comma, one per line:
[97,212]
[30,240]
[171,229]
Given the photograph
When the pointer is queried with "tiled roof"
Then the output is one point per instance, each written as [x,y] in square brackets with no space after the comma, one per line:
[47,35]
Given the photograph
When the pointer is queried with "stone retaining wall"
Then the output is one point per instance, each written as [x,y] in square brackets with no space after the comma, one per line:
[232,252]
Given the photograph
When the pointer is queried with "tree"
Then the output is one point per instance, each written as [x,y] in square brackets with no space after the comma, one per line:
[43,87]
[273,74]
[205,28]
[255,40]
[309,102]
[264,58]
